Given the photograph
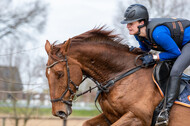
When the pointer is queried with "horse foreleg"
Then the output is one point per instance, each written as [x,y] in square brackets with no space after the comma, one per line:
[96,121]
[129,119]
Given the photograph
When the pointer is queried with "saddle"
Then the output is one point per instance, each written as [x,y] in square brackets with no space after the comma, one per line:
[161,75]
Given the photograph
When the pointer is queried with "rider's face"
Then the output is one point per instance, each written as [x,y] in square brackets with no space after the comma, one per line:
[133,27]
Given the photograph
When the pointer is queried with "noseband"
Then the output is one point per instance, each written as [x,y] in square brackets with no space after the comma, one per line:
[68,102]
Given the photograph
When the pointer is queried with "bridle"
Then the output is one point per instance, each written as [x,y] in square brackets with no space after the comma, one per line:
[101,88]
[68,102]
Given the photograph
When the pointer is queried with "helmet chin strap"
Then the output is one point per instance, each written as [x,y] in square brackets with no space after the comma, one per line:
[139,29]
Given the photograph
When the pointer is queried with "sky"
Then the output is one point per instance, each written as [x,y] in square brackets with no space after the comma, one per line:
[68,18]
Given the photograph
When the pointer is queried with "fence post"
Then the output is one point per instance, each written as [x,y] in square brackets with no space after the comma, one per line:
[3,121]
[64,122]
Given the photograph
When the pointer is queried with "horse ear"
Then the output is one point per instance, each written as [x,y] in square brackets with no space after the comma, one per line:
[67,45]
[48,47]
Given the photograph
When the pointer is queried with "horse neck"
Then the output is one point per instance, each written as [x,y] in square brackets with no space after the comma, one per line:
[101,61]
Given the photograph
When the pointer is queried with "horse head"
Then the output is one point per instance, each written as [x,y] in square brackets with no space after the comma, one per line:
[94,54]
[64,76]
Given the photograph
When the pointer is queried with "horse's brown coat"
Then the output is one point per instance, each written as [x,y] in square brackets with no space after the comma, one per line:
[97,53]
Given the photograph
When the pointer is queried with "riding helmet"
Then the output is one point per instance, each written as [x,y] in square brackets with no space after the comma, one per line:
[134,13]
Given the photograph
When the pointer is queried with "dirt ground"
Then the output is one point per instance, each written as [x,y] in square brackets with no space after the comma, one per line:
[47,122]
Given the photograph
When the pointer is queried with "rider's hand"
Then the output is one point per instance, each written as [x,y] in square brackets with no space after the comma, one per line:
[132,48]
[148,60]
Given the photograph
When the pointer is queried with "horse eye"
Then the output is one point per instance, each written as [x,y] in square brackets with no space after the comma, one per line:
[59,74]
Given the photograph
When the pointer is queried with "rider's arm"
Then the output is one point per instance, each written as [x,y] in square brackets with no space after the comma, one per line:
[162,37]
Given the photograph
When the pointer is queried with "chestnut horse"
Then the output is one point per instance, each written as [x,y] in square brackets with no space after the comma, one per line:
[98,54]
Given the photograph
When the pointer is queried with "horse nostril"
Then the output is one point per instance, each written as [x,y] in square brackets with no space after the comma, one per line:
[61,114]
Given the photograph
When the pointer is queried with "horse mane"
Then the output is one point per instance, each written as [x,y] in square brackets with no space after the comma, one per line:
[101,35]
[97,35]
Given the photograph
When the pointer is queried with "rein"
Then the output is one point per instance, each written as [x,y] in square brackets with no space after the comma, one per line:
[104,88]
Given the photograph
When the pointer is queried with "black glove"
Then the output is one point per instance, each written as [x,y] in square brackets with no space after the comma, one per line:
[132,48]
[148,60]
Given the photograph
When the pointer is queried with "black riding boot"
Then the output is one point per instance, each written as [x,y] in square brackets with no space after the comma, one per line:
[172,92]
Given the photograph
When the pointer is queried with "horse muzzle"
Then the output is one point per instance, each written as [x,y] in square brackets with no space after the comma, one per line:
[64,114]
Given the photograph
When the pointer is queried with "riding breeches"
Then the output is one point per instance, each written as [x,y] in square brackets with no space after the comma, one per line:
[182,62]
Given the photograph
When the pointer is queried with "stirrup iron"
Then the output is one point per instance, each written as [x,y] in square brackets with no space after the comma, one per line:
[162,122]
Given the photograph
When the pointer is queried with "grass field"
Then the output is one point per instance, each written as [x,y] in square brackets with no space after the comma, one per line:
[85,113]
[47,111]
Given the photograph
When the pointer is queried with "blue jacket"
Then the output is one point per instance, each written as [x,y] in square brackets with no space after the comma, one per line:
[162,37]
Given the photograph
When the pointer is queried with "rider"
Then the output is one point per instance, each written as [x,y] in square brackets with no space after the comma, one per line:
[171,37]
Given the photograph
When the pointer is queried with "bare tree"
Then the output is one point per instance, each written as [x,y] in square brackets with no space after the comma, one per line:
[20,22]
